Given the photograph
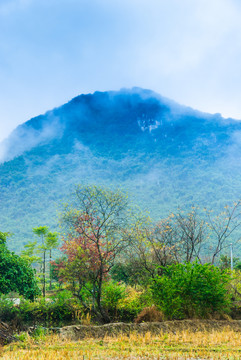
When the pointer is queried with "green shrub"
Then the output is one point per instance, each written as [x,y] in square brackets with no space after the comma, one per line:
[59,310]
[8,311]
[129,306]
[56,311]
[191,290]
[123,302]
[112,293]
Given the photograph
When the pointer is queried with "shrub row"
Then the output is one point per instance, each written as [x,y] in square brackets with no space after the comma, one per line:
[58,311]
[182,291]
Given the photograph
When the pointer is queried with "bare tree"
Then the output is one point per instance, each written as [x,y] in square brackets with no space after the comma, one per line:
[187,236]
[192,232]
[178,238]
[152,246]
[223,226]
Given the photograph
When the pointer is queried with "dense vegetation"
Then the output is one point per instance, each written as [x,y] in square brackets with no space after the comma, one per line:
[116,264]
[165,156]
[16,274]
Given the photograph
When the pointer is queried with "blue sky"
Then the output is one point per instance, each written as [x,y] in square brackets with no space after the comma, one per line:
[54,50]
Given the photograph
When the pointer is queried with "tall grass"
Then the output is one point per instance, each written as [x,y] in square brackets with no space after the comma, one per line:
[224,344]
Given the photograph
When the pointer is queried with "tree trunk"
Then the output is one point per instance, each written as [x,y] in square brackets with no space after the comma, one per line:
[50,277]
[104,315]
[44,274]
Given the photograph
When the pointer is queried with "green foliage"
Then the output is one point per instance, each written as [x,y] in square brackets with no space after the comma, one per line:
[30,253]
[191,290]
[235,286]
[59,310]
[23,337]
[55,270]
[49,241]
[225,262]
[131,271]
[112,293]
[40,231]
[123,302]
[131,305]
[39,333]
[7,309]
[16,274]
[237,265]
[3,237]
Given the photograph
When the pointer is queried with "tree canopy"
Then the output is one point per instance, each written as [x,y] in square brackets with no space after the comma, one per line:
[16,274]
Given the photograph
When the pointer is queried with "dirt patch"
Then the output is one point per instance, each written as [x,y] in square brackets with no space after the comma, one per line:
[6,334]
[76,332]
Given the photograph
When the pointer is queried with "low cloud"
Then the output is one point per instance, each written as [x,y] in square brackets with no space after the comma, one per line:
[24,138]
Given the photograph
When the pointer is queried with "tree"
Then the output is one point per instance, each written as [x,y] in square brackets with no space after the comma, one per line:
[96,224]
[140,254]
[179,238]
[41,231]
[185,237]
[56,267]
[192,232]
[29,253]
[172,240]
[49,241]
[223,226]
[130,271]
[225,262]
[16,273]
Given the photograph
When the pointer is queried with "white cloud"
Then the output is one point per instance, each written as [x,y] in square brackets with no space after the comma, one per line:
[53,50]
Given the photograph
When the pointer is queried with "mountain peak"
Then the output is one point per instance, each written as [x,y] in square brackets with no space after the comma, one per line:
[166,155]
[127,111]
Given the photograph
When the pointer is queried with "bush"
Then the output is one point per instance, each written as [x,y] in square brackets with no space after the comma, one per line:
[130,306]
[58,311]
[235,285]
[149,314]
[8,311]
[124,303]
[191,290]
[112,293]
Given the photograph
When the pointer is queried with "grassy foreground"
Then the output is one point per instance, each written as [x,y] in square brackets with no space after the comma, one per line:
[181,345]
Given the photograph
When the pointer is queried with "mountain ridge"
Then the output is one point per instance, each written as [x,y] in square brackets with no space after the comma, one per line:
[164,154]
[42,132]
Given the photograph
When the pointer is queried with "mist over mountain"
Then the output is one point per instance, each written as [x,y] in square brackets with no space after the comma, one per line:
[165,155]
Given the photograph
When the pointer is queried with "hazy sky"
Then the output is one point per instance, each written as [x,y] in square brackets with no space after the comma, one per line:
[54,50]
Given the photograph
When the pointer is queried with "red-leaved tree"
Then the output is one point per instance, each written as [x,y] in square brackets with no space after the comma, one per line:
[96,224]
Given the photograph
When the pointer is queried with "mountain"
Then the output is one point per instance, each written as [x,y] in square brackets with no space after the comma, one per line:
[165,155]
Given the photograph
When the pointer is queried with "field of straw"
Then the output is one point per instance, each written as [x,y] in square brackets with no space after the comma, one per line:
[225,344]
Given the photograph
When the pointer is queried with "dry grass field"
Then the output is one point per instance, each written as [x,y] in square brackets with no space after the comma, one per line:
[224,344]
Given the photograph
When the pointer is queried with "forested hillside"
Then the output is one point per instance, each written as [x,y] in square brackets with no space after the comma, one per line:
[164,155]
